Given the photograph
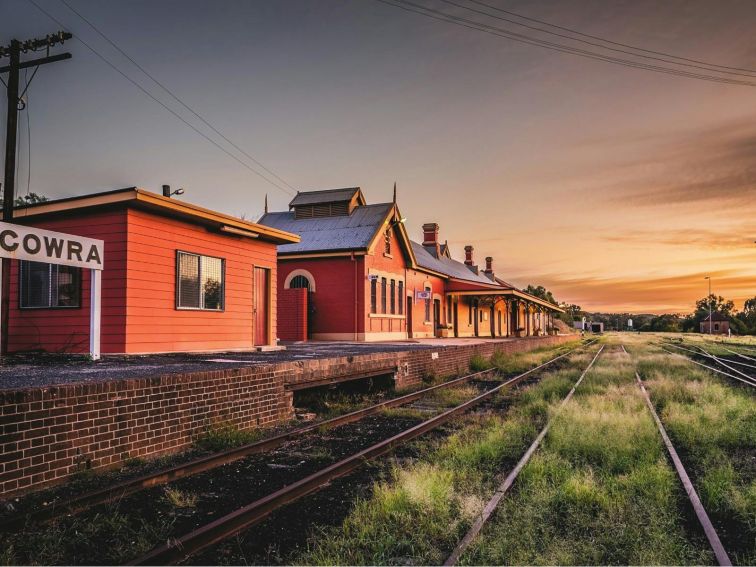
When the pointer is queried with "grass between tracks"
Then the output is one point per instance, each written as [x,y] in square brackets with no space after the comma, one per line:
[421,511]
[599,490]
[712,422]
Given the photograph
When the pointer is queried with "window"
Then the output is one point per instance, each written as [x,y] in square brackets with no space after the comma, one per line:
[383,295]
[401,298]
[716,326]
[449,310]
[387,242]
[298,282]
[49,285]
[374,295]
[481,315]
[470,314]
[428,306]
[200,282]
[393,296]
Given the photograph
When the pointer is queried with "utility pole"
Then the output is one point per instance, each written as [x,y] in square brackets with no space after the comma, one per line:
[710,321]
[13,51]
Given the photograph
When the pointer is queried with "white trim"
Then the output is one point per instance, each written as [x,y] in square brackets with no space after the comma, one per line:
[385,315]
[299,272]
[95,313]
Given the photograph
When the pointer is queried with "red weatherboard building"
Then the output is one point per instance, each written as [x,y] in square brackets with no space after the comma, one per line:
[176,278]
[356,275]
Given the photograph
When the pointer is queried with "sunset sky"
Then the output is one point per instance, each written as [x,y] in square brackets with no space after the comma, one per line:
[619,189]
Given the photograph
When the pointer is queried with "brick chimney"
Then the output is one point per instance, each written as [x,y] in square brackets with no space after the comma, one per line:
[489,266]
[469,255]
[430,238]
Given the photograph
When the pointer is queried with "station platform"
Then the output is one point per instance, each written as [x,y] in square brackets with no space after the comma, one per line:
[59,417]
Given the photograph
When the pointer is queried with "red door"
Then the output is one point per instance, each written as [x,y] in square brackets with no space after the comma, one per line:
[261,308]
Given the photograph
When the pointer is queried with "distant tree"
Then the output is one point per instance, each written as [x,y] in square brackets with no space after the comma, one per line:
[717,302]
[748,315]
[541,292]
[30,199]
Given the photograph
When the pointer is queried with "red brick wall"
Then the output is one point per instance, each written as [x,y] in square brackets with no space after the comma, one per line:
[292,314]
[49,433]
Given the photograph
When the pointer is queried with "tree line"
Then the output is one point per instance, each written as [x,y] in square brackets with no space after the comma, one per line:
[742,320]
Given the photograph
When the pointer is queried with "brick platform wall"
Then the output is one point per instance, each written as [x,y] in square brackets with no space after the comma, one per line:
[50,433]
[292,314]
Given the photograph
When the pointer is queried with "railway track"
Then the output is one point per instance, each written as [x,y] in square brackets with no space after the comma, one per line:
[746,374]
[118,491]
[504,487]
[179,549]
[690,491]
[703,518]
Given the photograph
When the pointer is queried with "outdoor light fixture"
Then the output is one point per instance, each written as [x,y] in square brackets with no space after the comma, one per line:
[168,193]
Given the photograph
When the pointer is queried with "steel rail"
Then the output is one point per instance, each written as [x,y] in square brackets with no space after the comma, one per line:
[741,355]
[708,354]
[698,508]
[504,487]
[179,549]
[78,504]
[85,501]
[724,363]
[717,370]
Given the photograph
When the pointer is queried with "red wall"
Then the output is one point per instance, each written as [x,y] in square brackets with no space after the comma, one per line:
[153,324]
[138,296]
[292,314]
[67,330]
[336,305]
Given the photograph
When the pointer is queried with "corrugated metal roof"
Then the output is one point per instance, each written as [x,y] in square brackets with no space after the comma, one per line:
[444,265]
[349,232]
[324,196]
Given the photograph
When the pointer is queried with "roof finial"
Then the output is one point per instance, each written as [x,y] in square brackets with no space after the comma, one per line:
[266,203]
[395,192]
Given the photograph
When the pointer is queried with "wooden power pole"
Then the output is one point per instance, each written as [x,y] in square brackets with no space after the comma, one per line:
[13,51]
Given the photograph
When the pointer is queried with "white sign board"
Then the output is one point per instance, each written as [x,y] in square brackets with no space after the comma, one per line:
[36,245]
[423,294]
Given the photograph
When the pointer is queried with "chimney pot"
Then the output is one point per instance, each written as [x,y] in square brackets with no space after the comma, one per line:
[430,233]
[489,265]
[430,237]
[469,255]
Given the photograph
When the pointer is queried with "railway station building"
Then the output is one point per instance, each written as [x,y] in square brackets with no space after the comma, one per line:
[355,275]
[176,278]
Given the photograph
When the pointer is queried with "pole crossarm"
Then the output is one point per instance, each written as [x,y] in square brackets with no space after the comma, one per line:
[35,44]
[40,61]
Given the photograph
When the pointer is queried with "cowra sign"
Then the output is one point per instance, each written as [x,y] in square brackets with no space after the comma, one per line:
[36,245]
[28,243]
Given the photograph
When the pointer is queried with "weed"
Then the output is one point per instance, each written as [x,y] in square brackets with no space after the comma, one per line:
[226,436]
[479,362]
[180,499]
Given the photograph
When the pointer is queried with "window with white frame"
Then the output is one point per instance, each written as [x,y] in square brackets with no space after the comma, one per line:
[200,282]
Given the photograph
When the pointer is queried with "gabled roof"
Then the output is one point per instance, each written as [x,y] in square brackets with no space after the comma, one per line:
[146,200]
[716,316]
[447,266]
[327,196]
[330,234]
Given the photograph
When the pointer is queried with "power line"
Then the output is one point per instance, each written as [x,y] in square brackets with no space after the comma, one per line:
[161,103]
[500,32]
[555,26]
[705,66]
[175,97]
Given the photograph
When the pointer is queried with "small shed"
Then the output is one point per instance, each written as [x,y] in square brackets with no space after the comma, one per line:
[716,324]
